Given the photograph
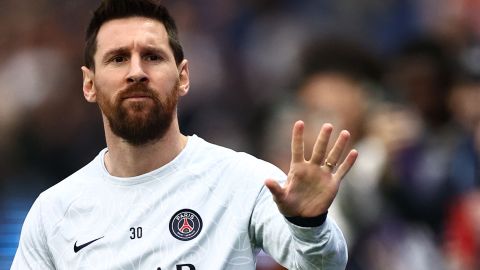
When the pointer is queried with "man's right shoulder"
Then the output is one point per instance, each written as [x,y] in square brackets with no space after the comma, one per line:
[70,188]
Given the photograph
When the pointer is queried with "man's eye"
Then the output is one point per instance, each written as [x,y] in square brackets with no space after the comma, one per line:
[153,57]
[118,59]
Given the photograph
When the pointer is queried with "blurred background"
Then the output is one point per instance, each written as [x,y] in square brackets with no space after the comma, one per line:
[402,75]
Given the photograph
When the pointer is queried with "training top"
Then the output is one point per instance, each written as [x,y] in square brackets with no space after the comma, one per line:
[207,209]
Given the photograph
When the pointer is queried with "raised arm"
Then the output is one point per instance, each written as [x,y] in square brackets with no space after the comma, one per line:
[304,238]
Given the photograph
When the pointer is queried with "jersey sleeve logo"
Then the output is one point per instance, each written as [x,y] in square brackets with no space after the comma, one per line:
[185,225]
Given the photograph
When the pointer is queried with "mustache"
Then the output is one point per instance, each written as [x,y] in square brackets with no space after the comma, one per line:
[137,90]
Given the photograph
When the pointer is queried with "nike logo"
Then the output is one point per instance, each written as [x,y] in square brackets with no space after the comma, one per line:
[78,248]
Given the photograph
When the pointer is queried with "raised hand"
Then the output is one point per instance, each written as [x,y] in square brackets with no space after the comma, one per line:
[312,184]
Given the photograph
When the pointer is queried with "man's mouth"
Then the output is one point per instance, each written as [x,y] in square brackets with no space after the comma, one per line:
[137,96]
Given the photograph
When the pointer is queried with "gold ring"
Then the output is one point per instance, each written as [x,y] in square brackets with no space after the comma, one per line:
[329,165]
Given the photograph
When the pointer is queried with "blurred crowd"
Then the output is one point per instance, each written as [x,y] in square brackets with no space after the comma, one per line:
[403,76]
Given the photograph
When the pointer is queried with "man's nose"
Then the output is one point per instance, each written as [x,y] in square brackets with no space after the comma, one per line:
[136,72]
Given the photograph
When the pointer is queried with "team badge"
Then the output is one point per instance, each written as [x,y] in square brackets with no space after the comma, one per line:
[185,225]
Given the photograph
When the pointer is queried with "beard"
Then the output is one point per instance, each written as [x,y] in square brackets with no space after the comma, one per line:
[139,122]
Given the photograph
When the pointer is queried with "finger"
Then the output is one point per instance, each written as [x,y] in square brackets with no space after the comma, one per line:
[337,150]
[347,164]
[275,189]
[297,142]
[320,147]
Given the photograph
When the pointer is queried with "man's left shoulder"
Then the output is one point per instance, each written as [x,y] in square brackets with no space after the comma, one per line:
[251,168]
[236,162]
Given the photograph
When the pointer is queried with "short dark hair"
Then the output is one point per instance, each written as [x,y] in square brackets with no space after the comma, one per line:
[340,55]
[117,9]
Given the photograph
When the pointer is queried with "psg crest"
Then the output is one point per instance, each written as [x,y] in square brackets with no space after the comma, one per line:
[185,225]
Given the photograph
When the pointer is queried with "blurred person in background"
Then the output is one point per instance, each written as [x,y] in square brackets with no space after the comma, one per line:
[419,137]
[415,181]
[342,83]
[339,82]
[461,233]
[420,77]
[464,172]
[136,72]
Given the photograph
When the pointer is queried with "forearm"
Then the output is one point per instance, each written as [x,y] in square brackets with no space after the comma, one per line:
[321,247]
[297,247]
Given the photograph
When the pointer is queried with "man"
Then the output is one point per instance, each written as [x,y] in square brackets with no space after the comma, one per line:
[156,199]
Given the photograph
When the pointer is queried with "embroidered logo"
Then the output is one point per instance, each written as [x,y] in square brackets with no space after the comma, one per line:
[185,225]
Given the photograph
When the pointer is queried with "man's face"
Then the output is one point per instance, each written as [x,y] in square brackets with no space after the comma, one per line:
[136,81]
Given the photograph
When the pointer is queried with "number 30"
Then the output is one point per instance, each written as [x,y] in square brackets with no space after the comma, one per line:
[136,232]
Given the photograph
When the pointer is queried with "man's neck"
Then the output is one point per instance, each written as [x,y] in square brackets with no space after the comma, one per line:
[126,160]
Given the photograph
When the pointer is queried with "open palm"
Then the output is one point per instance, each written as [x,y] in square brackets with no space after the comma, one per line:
[312,184]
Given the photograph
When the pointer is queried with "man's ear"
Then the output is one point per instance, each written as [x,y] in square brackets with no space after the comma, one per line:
[184,78]
[89,91]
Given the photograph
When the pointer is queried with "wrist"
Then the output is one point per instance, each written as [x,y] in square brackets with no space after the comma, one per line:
[308,221]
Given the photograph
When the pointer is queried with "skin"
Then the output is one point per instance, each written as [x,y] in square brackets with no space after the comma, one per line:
[123,59]
[136,49]
[311,185]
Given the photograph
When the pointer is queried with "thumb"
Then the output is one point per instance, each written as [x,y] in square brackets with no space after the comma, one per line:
[275,189]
